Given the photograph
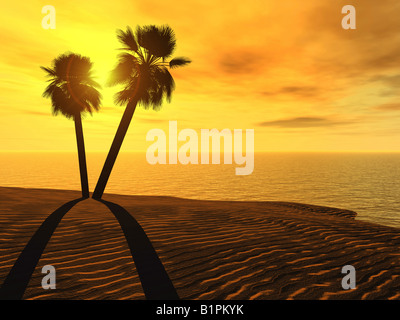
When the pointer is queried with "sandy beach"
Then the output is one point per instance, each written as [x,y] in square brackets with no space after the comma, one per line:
[209,249]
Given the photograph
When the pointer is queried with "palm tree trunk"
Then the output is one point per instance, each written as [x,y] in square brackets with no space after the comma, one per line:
[82,156]
[115,147]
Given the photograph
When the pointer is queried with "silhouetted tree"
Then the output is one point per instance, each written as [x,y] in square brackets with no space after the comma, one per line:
[73,91]
[143,70]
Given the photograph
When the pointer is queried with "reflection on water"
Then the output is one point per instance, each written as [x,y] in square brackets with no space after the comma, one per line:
[366,183]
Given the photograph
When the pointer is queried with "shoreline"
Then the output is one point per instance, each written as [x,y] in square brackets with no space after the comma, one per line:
[210,249]
[309,207]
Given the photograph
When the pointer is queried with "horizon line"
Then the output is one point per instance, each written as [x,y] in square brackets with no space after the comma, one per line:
[260,151]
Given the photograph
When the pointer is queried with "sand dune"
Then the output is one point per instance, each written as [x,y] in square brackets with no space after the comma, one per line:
[210,249]
[91,257]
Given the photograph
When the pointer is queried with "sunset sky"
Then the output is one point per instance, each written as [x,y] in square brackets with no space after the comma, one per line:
[284,68]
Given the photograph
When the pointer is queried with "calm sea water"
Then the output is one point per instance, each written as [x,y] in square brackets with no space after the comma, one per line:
[366,183]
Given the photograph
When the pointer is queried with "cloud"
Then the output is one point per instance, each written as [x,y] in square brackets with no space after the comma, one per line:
[389,107]
[37,113]
[149,120]
[244,62]
[302,122]
[302,91]
[34,112]
[392,80]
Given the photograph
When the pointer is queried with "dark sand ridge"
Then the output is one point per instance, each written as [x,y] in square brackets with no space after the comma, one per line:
[210,249]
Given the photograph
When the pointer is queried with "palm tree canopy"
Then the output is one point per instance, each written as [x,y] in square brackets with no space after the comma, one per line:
[72,89]
[142,68]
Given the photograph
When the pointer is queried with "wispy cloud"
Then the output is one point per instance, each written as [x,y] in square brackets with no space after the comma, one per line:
[301,91]
[240,62]
[389,107]
[37,113]
[303,122]
[390,79]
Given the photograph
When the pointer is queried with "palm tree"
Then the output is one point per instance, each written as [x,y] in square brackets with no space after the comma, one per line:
[143,70]
[73,91]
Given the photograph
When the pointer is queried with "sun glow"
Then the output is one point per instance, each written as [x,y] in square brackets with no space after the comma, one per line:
[296,77]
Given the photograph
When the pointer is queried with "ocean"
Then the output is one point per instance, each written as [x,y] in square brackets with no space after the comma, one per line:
[367,183]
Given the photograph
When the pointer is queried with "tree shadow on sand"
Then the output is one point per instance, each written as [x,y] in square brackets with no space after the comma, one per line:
[17,280]
[155,281]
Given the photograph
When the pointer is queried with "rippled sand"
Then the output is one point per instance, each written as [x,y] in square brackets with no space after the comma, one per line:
[210,249]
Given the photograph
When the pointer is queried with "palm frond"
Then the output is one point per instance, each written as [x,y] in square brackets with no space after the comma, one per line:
[89,95]
[124,69]
[47,93]
[61,103]
[144,72]
[124,96]
[179,62]
[72,67]
[92,83]
[72,89]
[168,41]
[128,39]
[165,81]
[158,41]
[50,72]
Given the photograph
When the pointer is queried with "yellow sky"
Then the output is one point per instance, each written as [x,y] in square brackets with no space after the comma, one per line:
[283,68]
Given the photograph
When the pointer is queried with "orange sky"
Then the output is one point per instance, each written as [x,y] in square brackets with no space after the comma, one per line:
[284,68]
